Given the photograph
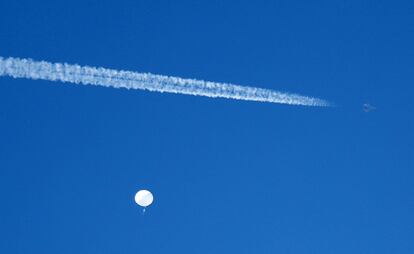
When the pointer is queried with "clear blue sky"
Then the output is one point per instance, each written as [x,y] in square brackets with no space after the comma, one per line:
[228,176]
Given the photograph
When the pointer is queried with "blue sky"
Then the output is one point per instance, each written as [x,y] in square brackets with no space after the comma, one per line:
[227,176]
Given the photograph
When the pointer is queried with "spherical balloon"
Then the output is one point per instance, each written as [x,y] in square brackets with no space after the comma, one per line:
[144,198]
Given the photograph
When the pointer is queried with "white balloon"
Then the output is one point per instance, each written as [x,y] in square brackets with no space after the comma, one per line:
[144,198]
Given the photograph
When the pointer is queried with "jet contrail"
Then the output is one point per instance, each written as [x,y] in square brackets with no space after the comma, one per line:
[28,68]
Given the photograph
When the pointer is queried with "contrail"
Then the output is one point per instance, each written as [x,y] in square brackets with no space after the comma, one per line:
[28,68]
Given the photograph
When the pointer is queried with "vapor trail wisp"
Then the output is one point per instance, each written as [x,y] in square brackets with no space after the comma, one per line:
[27,68]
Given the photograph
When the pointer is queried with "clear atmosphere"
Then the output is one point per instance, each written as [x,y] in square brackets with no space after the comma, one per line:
[227,176]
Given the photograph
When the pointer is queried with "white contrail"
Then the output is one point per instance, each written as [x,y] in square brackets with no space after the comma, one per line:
[27,68]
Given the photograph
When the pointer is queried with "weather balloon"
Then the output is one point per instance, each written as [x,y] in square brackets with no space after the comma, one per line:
[144,198]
